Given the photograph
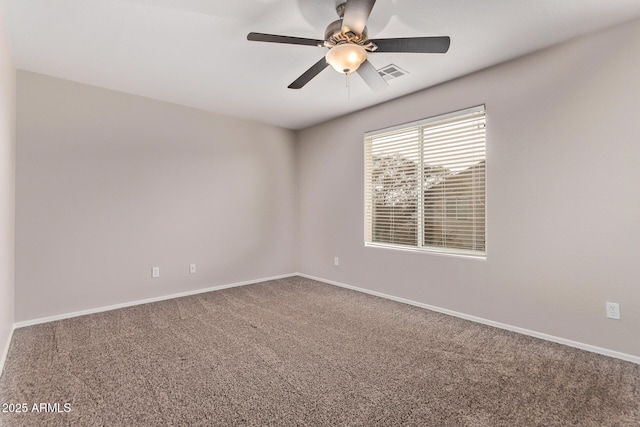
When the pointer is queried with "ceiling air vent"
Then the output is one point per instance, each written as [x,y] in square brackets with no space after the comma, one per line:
[391,72]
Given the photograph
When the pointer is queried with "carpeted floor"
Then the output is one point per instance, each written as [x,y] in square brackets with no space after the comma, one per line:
[299,352]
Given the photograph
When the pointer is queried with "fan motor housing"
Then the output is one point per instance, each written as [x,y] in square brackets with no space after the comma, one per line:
[334,35]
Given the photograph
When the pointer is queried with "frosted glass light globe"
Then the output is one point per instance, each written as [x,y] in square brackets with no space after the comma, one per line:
[346,58]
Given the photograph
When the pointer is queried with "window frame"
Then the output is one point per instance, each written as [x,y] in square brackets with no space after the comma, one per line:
[368,191]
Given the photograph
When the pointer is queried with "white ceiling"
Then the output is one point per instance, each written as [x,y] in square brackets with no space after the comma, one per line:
[195,52]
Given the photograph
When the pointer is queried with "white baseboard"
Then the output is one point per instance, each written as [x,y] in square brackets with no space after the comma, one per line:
[38,321]
[546,337]
[5,351]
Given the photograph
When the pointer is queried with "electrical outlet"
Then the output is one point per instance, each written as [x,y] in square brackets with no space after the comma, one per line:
[155,272]
[613,310]
[336,261]
[192,268]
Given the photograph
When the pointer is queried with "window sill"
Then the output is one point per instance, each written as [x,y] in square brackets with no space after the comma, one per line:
[479,256]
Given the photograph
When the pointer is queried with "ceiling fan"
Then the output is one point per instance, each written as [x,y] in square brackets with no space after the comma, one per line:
[349,45]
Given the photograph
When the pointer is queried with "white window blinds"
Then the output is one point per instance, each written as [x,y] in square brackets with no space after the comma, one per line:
[425,184]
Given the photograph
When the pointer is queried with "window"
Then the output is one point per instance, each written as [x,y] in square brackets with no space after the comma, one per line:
[425,184]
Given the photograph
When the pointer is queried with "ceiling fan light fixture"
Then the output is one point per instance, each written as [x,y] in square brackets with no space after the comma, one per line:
[349,45]
[346,58]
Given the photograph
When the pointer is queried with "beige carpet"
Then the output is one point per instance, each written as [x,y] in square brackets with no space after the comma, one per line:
[298,352]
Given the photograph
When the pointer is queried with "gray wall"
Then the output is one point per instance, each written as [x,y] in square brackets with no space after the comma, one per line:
[7,188]
[109,185]
[563,207]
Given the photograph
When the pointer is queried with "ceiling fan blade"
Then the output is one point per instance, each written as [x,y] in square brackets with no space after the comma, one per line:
[272,38]
[413,44]
[309,74]
[371,77]
[356,14]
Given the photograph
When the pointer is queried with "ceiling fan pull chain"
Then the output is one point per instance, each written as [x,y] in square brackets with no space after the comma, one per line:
[348,85]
